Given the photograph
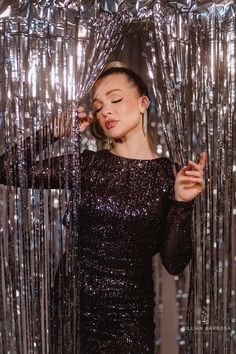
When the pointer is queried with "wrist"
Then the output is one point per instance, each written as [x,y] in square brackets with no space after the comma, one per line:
[178,199]
[183,204]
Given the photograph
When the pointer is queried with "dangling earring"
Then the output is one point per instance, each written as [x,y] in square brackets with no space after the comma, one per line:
[109,143]
[145,122]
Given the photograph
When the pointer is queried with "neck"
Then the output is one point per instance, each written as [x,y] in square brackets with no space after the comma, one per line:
[133,145]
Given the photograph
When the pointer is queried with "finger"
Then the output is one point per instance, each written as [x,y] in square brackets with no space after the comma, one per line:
[90,115]
[83,122]
[202,161]
[194,173]
[195,165]
[193,179]
[80,109]
[82,127]
[186,168]
[82,115]
[86,119]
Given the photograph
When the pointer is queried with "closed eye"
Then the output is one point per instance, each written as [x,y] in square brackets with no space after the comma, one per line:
[117,100]
[97,110]
[111,102]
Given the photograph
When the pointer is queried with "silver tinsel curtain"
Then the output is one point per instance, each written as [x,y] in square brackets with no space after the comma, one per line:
[190,50]
[50,53]
[49,61]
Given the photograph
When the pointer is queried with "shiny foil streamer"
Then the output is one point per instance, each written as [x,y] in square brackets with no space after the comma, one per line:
[51,53]
[50,57]
[190,50]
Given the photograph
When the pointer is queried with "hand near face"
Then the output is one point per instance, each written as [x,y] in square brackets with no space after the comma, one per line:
[61,128]
[189,181]
[84,118]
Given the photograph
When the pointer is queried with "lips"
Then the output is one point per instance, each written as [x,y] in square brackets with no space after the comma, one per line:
[111,124]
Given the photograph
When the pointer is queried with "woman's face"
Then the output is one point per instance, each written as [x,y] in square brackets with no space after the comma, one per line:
[117,105]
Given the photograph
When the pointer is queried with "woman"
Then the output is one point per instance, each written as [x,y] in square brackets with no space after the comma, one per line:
[132,207]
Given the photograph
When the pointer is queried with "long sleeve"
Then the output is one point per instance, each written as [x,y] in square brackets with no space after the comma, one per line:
[44,174]
[178,245]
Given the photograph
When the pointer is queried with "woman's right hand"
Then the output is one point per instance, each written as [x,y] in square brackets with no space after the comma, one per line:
[58,130]
[84,118]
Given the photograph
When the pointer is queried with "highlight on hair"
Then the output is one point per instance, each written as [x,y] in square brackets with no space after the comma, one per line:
[117,67]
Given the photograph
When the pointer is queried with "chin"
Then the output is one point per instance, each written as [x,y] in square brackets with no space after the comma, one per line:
[115,136]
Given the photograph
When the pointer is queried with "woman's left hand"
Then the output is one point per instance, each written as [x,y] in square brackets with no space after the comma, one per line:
[189,180]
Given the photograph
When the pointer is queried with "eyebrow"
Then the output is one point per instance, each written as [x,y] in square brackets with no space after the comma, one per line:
[95,99]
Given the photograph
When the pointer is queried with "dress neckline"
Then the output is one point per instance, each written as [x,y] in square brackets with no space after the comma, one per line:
[129,158]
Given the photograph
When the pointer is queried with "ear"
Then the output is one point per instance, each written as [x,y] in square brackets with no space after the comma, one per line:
[144,103]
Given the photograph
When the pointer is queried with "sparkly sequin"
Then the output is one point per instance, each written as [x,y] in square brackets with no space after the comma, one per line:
[127,215]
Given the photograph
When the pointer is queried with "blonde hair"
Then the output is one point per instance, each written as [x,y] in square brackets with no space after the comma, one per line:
[111,65]
[113,68]
[115,64]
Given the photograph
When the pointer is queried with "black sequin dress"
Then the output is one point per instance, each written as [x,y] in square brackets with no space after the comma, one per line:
[127,214]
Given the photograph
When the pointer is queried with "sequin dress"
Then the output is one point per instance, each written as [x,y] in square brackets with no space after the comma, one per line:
[127,214]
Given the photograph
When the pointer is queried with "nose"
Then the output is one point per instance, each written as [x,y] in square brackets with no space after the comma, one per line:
[106,111]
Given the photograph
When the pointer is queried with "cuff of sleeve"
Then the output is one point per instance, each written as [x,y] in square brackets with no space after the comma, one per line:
[179,203]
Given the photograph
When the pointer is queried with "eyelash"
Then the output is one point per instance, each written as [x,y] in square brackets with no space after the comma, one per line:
[111,102]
